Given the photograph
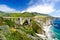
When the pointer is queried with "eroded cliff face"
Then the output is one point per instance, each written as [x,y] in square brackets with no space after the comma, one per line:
[44,24]
[33,28]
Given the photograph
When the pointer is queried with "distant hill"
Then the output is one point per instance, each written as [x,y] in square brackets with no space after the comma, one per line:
[2,13]
[25,14]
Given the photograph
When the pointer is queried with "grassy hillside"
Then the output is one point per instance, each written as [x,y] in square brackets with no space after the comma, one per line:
[25,14]
[12,31]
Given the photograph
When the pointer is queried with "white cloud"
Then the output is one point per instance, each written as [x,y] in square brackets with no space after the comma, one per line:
[50,1]
[46,7]
[41,9]
[55,13]
[31,2]
[5,8]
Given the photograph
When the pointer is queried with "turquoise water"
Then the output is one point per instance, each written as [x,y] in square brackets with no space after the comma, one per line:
[56,32]
[55,28]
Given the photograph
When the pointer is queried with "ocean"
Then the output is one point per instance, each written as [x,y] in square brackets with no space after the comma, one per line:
[55,29]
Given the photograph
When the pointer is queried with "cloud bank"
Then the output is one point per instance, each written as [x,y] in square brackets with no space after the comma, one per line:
[40,9]
[56,13]
[5,8]
[46,6]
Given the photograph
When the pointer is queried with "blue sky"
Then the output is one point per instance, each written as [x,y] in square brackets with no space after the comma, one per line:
[51,7]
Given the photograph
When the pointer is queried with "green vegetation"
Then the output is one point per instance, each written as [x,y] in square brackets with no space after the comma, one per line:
[9,23]
[9,30]
[25,14]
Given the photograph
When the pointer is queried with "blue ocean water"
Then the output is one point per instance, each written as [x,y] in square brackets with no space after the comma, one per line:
[56,23]
[56,32]
[56,28]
